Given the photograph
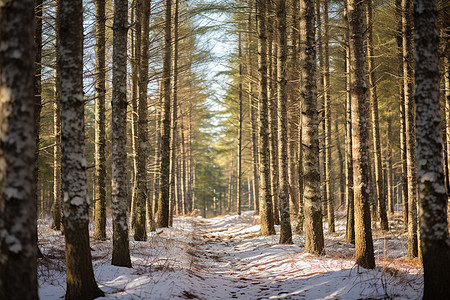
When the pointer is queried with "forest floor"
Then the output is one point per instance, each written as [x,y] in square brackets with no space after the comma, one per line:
[225,258]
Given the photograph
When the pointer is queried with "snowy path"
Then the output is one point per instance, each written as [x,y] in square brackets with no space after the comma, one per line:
[225,258]
[232,261]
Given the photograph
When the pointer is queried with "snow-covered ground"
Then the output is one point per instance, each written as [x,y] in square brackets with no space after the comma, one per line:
[224,258]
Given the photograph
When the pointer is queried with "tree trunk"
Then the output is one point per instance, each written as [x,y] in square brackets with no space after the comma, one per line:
[100,91]
[56,209]
[164,196]
[174,105]
[121,252]
[272,54]
[253,114]
[409,126]
[399,38]
[265,204]
[285,217]
[80,276]
[239,177]
[350,227]
[314,242]
[328,176]
[373,99]
[432,193]
[18,251]
[363,231]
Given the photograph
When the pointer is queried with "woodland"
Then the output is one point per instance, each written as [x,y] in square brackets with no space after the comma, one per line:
[201,149]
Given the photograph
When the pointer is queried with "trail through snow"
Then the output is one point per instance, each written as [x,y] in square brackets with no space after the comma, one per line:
[225,258]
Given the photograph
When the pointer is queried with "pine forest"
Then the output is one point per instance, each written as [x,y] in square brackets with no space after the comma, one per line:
[224,149]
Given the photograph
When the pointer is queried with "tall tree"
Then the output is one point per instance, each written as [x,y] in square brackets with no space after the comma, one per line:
[285,218]
[80,276]
[18,251]
[432,193]
[174,144]
[100,139]
[56,210]
[373,100]
[363,231]
[349,195]
[121,251]
[140,198]
[265,203]
[164,197]
[239,177]
[314,242]
[328,177]
[408,73]
[253,112]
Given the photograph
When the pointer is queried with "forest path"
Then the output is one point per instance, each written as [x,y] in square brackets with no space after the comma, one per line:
[233,262]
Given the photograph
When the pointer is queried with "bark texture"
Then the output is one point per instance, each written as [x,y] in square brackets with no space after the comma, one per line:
[314,242]
[265,203]
[164,175]
[363,232]
[121,252]
[431,182]
[100,142]
[285,217]
[80,276]
[18,251]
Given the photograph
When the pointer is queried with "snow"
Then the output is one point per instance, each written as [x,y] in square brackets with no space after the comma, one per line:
[225,258]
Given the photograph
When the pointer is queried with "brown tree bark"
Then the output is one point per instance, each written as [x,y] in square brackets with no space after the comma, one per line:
[408,74]
[285,218]
[363,232]
[265,204]
[314,242]
[100,142]
[80,276]
[373,100]
[121,251]
[164,196]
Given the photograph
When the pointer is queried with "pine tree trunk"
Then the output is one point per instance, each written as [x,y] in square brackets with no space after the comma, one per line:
[390,170]
[432,194]
[174,118]
[363,232]
[272,55]
[327,112]
[341,165]
[80,276]
[410,126]
[299,228]
[56,209]
[253,114]
[141,192]
[285,217]
[239,177]
[350,226]
[164,195]
[121,252]
[18,251]
[265,204]
[37,86]
[399,38]
[314,242]
[137,14]
[373,98]
[100,90]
